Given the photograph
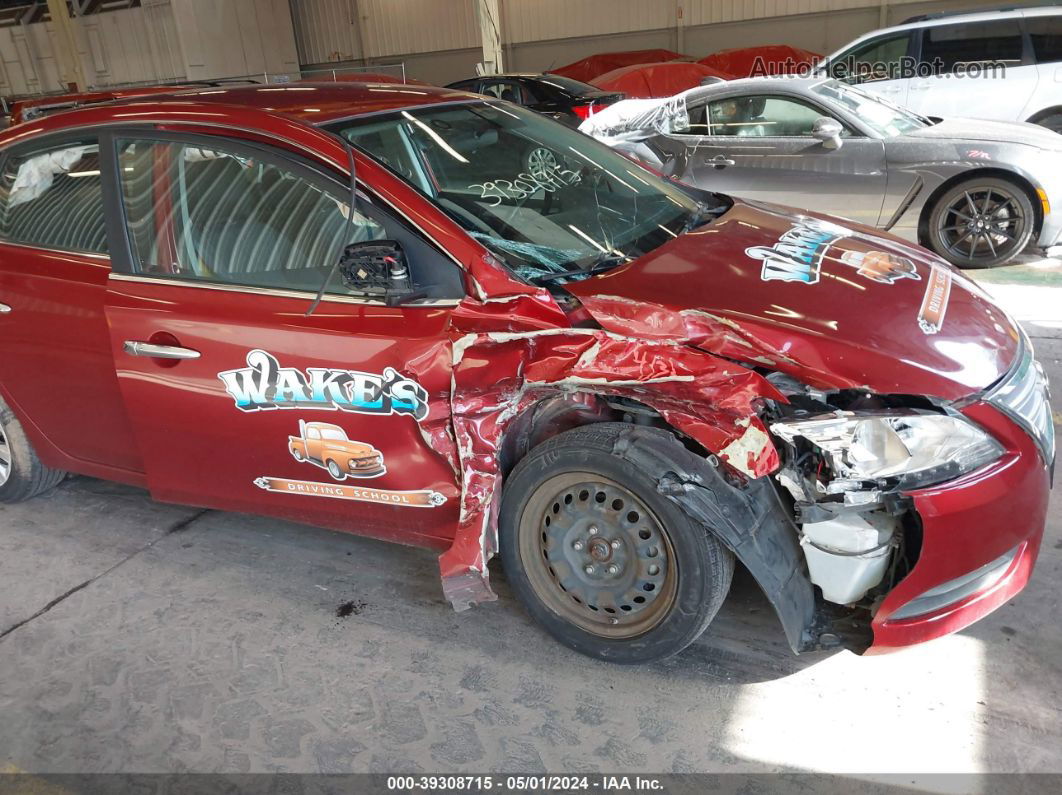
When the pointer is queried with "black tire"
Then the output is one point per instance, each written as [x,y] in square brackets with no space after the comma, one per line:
[22,473]
[296,455]
[697,567]
[981,222]
[335,471]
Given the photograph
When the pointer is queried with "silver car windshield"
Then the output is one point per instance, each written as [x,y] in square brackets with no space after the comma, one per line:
[883,117]
[552,203]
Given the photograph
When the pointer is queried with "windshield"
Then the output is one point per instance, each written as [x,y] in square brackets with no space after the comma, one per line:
[552,203]
[883,117]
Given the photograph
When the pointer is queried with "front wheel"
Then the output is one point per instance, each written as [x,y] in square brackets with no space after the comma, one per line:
[605,563]
[981,222]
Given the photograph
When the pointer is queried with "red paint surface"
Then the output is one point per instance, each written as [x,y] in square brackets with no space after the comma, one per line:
[966,524]
[586,69]
[645,81]
[776,58]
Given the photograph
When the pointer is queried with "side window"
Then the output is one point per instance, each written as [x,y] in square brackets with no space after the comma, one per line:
[313,433]
[1046,35]
[877,59]
[503,89]
[222,213]
[946,46]
[53,198]
[761,117]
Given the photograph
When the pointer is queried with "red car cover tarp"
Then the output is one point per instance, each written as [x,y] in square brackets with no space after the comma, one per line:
[777,59]
[593,66]
[651,80]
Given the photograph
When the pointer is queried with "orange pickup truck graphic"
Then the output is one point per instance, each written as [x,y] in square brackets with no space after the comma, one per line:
[327,446]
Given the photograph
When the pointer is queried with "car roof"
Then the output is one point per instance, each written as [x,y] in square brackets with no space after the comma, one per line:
[934,20]
[318,103]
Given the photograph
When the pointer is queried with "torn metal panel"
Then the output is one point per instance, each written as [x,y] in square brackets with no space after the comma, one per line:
[498,376]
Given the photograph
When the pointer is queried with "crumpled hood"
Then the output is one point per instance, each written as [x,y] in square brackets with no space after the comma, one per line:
[835,304]
[1009,132]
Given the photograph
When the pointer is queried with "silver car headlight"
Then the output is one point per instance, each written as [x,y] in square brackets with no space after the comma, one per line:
[913,449]
[1024,396]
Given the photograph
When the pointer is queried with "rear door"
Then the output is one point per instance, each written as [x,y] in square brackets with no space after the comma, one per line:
[56,369]
[1045,39]
[761,147]
[219,362]
[980,70]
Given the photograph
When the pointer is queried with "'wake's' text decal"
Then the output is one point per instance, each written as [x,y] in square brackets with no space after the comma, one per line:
[797,256]
[264,384]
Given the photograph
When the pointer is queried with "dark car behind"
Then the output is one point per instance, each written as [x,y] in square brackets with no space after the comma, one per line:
[561,98]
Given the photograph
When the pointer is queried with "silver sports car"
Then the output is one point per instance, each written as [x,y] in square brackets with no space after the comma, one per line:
[976,192]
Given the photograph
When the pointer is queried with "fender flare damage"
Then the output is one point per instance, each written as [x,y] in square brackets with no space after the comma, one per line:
[497,377]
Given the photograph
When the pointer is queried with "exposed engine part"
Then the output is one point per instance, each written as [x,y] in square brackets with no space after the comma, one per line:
[849,555]
[851,527]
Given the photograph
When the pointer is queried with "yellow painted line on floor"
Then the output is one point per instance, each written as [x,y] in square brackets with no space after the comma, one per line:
[29,784]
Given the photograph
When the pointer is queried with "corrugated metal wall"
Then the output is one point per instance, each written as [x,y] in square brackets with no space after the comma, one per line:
[326,30]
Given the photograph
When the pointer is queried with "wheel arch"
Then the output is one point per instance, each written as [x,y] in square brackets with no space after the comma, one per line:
[1040,115]
[1015,177]
[753,523]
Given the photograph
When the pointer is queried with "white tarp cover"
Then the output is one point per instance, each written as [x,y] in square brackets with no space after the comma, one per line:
[633,119]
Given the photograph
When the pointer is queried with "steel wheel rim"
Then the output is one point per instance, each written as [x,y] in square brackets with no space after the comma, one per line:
[5,457]
[541,162]
[982,224]
[634,579]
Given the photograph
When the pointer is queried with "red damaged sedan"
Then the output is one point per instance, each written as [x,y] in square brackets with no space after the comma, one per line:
[235,298]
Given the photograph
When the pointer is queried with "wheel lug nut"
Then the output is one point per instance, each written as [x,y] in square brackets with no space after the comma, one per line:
[613,569]
[589,569]
[615,543]
[613,621]
[593,530]
[578,545]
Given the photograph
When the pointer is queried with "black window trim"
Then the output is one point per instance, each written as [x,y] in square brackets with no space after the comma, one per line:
[124,265]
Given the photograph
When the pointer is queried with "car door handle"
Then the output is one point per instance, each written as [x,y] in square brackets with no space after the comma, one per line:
[150,349]
[720,161]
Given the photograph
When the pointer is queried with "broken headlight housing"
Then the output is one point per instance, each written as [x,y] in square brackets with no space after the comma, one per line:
[908,449]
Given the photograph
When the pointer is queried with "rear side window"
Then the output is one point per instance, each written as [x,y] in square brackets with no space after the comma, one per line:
[53,198]
[1046,35]
[973,42]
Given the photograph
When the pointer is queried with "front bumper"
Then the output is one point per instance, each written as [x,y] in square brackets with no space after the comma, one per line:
[980,538]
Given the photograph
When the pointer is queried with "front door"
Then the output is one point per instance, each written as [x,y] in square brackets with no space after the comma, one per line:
[226,377]
[761,147]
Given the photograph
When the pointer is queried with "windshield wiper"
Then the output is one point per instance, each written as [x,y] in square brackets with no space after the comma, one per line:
[605,262]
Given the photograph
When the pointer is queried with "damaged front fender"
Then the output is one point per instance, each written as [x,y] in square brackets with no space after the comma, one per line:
[498,376]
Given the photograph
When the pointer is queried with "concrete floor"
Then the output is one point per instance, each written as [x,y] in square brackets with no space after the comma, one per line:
[141,637]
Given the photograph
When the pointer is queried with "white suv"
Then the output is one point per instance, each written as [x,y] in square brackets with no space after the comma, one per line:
[1003,65]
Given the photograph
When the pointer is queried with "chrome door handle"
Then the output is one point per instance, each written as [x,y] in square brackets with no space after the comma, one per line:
[720,161]
[4,309]
[134,348]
